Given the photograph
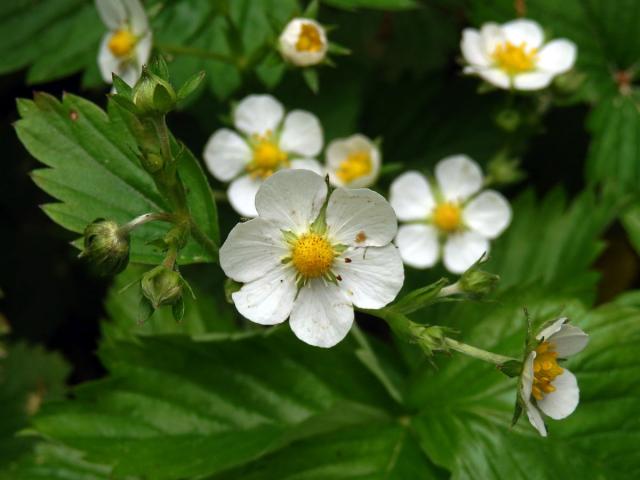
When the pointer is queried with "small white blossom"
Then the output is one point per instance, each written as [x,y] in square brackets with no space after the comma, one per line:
[310,258]
[127,45]
[353,162]
[545,387]
[268,141]
[514,55]
[450,211]
[303,42]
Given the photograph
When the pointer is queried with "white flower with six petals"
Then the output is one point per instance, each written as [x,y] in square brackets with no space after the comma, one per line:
[269,141]
[545,387]
[353,162]
[449,211]
[127,45]
[514,55]
[311,257]
[303,42]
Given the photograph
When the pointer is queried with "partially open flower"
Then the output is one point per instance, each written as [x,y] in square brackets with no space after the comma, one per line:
[127,45]
[450,211]
[514,55]
[303,42]
[353,162]
[310,258]
[269,141]
[545,387]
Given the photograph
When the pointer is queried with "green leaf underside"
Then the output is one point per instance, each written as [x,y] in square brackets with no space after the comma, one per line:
[94,173]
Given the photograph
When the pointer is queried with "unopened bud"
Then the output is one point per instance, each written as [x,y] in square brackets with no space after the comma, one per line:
[153,95]
[478,283]
[504,171]
[106,247]
[151,162]
[162,286]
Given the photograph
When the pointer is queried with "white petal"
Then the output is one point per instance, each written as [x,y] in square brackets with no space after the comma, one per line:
[242,195]
[532,81]
[340,149]
[226,154]
[308,164]
[526,385]
[252,249]
[494,76]
[129,73]
[458,177]
[373,276]
[107,61]
[491,35]
[112,13]
[360,217]
[301,134]
[292,199]
[322,315]
[411,198]
[136,16]
[523,31]
[472,48]
[488,214]
[418,244]
[561,403]
[557,56]
[269,299]
[143,49]
[257,114]
[555,327]
[462,250]
[569,340]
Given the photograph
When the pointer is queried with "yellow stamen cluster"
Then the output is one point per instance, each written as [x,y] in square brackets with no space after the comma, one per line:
[267,157]
[356,165]
[309,39]
[545,370]
[312,255]
[514,59]
[122,43]
[447,217]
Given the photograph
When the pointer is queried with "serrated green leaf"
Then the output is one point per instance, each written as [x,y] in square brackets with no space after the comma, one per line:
[95,173]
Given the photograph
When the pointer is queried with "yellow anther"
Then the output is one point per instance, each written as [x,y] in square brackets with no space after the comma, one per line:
[309,39]
[514,59]
[448,217]
[122,43]
[545,370]
[267,157]
[312,255]
[356,165]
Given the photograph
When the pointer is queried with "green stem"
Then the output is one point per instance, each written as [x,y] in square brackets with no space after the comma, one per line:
[197,52]
[476,352]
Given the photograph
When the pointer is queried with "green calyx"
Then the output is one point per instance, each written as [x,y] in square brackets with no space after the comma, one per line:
[152,95]
[162,286]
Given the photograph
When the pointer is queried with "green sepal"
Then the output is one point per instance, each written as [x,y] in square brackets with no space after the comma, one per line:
[312,10]
[191,85]
[145,310]
[122,88]
[337,49]
[310,76]
[177,310]
[230,287]
[158,66]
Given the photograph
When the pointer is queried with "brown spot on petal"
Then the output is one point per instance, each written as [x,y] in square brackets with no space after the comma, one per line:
[347,260]
[339,278]
[361,236]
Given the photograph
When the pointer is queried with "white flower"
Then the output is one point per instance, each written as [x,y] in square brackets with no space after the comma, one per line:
[514,55]
[545,387]
[451,212]
[353,162]
[267,144]
[127,45]
[310,258]
[303,42]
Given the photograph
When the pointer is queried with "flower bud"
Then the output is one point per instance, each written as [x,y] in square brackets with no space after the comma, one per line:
[152,95]
[106,247]
[504,171]
[151,162]
[478,283]
[162,286]
[303,42]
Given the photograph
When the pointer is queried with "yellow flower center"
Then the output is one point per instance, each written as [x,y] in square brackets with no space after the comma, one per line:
[448,217]
[356,165]
[312,255]
[122,43]
[267,157]
[309,39]
[545,370]
[514,59]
